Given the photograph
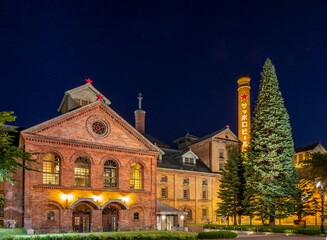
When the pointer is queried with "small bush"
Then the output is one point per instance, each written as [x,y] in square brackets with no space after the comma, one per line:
[218,234]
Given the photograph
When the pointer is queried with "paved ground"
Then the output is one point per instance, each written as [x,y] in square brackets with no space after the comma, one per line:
[276,236]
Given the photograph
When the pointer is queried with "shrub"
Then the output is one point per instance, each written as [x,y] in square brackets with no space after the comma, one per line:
[307,231]
[218,234]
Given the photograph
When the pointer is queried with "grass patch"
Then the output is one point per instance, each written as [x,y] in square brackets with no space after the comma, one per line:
[12,231]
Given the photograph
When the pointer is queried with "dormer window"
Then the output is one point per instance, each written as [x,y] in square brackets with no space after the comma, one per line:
[185,181]
[163,178]
[189,160]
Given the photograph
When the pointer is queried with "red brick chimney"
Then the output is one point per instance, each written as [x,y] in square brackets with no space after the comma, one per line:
[140,116]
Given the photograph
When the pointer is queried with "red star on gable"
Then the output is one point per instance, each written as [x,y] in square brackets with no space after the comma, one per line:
[244,96]
[88,80]
[227,126]
[100,96]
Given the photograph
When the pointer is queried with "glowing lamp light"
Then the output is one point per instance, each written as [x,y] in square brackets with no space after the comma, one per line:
[125,199]
[97,198]
[163,217]
[65,197]
[318,184]
[182,217]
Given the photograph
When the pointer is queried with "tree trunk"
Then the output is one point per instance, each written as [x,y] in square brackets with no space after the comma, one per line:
[239,219]
[250,220]
[235,220]
[228,220]
[299,216]
[272,222]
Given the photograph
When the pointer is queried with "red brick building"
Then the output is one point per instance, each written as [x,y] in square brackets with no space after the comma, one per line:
[95,171]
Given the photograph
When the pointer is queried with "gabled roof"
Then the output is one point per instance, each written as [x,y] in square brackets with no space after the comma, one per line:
[70,115]
[163,208]
[307,147]
[212,135]
[173,159]
[87,86]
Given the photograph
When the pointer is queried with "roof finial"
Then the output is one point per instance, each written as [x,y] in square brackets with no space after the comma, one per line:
[140,100]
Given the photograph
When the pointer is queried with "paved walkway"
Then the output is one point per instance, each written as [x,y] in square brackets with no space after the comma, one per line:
[276,236]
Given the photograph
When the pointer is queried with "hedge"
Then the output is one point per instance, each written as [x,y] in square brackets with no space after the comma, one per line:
[218,234]
[107,236]
[266,229]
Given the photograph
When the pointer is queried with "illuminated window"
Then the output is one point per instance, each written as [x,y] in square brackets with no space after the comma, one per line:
[307,155]
[136,176]
[300,158]
[164,192]
[204,213]
[186,194]
[51,216]
[163,178]
[110,174]
[136,216]
[82,172]
[51,169]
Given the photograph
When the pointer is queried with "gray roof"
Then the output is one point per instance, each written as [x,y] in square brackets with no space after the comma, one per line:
[208,136]
[306,147]
[156,141]
[163,208]
[172,159]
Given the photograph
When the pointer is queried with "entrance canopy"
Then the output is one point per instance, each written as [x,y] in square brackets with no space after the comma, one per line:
[165,209]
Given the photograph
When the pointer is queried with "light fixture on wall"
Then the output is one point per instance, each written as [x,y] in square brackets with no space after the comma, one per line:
[125,199]
[97,198]
[66,197]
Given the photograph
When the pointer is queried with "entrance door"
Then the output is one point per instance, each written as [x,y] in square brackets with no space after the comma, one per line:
[110,219]
[81,218]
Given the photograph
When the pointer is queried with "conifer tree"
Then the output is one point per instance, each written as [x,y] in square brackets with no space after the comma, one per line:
[307,200]
[271,178]
[231,187]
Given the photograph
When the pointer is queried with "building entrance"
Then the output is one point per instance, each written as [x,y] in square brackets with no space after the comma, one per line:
[110,217]
[81,218]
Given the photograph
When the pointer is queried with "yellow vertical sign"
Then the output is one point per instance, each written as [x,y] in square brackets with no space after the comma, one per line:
[244,110]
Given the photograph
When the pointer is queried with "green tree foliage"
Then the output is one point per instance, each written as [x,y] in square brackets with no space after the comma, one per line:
[307,201]
[271,176]
[12,158]
[231,186]
[315,167]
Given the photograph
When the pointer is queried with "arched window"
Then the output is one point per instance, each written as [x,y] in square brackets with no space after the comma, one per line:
[82,172]
[50,216]
[51,169]
[110,174]
[136,176]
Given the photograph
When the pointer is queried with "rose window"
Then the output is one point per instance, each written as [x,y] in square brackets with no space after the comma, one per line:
[99,128]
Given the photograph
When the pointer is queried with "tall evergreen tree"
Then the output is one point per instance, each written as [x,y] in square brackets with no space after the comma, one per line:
[271,178]
[231,187]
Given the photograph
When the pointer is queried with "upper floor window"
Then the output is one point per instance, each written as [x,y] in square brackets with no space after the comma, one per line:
[51,169]
[110,174]
[189,160]
[164,192]
[186,194]
[204,194]
[136,181]
[82,172]
[163,178]
[221,154]
[300,157]
[185,181]
[204,182]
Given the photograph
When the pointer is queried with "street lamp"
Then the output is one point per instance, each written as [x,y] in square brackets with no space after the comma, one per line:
[319,184]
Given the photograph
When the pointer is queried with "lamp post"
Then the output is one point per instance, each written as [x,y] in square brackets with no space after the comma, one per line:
[319,184]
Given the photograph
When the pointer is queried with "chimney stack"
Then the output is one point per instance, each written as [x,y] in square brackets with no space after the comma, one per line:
[140,116]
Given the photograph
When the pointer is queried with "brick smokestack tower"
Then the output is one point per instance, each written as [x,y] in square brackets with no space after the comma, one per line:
[140,116]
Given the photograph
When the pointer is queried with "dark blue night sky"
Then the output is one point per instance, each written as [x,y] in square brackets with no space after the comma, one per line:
[184,56]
